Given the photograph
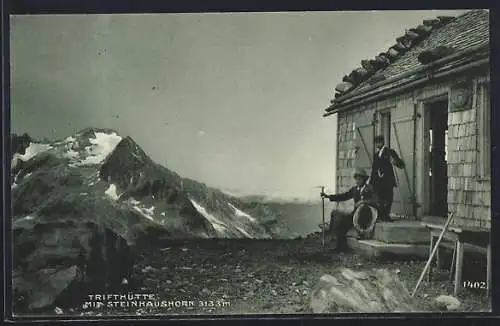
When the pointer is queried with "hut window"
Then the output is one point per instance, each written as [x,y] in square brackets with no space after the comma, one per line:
[484,131]
[384,126]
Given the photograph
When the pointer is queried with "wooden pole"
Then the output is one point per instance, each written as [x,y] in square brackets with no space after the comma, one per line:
[323,216]
[488,269]
[431,246]
[436,246]
[452,267]
[459,265]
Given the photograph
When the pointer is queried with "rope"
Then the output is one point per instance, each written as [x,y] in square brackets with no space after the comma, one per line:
[357,216]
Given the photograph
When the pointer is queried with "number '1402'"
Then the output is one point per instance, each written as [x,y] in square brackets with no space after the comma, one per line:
[474,284]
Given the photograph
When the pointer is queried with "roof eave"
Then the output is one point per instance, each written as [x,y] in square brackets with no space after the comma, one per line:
[475,53]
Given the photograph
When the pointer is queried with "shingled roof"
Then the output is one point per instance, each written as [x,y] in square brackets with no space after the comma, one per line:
[437,37]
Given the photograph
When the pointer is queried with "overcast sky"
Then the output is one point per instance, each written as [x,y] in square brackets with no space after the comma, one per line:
[232,100]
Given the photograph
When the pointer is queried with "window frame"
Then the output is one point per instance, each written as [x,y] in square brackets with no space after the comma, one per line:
[379,125]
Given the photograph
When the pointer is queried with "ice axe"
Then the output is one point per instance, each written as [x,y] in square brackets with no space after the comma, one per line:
[322,216]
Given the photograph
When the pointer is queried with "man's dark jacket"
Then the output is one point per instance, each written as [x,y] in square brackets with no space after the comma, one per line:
[365,193]
[382,173]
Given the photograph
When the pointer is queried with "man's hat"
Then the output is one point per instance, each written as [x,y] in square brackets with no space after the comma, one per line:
[359,173]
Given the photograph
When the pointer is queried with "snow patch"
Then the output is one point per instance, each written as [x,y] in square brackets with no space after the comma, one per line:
[133,201]
[217,224]
[28,174]
[32,150]
[163,214]
[146,212]
[245,233]
[70,139]
[240,213]
[102,145]
[143,213]
[15,161]
[71,154]
[111,192]
[150,210]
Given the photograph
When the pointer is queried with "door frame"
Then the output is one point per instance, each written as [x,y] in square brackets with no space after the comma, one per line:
[424,105]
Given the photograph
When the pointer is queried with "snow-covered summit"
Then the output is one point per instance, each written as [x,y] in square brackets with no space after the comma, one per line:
[113,167]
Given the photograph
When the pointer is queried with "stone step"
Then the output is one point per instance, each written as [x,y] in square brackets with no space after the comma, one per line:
[409,232]
[374,249]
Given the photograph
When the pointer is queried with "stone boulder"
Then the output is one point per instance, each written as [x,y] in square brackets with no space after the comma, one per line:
[447,303]
[375,291]
[58,260]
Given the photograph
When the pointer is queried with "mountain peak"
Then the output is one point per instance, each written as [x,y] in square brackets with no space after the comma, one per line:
[117,168]
[128,165]
[128,146]
[90,132]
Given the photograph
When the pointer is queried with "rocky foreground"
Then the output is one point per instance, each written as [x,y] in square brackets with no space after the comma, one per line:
[81,206]
[252,277]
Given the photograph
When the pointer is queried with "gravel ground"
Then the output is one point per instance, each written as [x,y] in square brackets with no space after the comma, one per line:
[258,276]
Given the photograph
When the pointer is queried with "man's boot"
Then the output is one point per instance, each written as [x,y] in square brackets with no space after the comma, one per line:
[384,215]
[341,245]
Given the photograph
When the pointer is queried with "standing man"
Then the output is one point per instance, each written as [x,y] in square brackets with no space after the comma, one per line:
[340,222]
[383,178]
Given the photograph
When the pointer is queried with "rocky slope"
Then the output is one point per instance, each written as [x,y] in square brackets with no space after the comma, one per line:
[248,276]
[81,205]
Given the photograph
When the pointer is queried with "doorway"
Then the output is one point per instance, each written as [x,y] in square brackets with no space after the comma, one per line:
[437,153]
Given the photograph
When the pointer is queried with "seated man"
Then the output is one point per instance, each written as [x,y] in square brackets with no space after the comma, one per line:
[341,223]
